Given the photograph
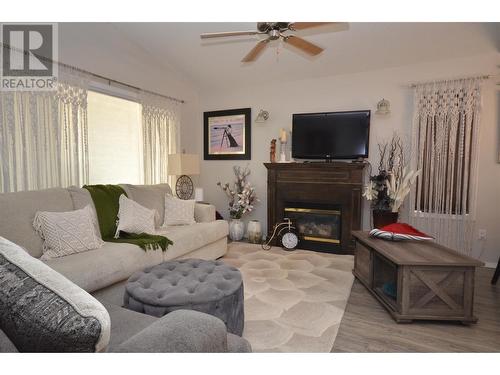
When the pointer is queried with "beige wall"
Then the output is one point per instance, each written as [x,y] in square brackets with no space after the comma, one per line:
[351,92]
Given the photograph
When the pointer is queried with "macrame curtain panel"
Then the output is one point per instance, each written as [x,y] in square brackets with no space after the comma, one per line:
[43,136]
[445,146]
[160,119]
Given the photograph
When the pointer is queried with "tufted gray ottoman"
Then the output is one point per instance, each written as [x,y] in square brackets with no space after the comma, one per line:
[208,286]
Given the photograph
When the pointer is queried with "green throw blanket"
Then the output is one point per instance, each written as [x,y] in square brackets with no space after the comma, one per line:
[106,202]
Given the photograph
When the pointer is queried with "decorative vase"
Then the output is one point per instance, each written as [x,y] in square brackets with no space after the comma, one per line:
[254,231]
[381,218]
[236,229]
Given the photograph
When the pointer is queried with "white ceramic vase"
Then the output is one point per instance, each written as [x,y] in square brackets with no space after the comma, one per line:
[236,229]
[254,231]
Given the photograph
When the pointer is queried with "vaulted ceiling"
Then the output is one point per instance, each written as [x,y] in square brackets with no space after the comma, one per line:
[349,48]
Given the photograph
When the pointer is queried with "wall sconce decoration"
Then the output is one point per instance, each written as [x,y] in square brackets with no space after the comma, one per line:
[383,107]
[262,116]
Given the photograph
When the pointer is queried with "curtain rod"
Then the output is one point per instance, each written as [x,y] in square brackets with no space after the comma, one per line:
[415,84]
[109,80]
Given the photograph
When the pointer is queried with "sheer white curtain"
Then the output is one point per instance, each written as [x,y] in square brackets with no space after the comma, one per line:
[445,147]
[43,136]
[160,123]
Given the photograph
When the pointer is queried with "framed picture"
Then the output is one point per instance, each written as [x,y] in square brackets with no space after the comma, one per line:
[227,134]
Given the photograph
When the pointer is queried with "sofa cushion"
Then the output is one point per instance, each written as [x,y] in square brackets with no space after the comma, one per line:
[17,211]
[125,323]
[42,311]
[149,196]
[187,238]
[96,269]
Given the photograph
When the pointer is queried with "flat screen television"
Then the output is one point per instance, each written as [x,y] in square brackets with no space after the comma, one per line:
[331,135]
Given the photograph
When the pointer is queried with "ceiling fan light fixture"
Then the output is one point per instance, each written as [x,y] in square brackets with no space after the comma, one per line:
[275,31]
[274,34]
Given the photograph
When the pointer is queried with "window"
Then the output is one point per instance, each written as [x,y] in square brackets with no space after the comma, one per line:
[115,140]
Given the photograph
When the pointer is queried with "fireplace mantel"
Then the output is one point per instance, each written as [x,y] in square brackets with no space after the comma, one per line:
[337,183]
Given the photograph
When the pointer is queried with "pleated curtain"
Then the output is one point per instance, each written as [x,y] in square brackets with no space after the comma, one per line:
[445,147]
[43,136]
[160,122]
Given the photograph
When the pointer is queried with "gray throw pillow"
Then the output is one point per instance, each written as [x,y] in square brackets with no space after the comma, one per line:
[42,311]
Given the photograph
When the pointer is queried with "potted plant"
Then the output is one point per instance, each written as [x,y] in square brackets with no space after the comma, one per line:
[242,199]
[387,189]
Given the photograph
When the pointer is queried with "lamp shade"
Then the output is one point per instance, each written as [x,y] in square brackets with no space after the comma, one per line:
[183,164]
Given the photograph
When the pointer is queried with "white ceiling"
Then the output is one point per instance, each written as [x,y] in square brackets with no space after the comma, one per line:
[349,48]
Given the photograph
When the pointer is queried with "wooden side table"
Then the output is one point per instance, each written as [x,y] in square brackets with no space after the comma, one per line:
[416,280]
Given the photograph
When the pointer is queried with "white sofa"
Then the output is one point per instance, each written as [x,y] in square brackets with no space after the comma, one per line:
[114,262]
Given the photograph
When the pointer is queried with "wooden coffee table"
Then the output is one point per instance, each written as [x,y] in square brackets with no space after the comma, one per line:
[416,280]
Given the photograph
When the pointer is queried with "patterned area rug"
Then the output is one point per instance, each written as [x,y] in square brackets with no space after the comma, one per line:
[294,301]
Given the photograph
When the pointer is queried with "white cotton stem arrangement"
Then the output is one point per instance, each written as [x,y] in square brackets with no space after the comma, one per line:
[398,187]
[242,196]
[370,192]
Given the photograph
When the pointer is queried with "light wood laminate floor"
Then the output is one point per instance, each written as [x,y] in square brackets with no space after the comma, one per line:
[367,327]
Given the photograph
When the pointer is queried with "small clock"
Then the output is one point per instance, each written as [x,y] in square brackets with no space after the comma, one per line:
[285,233]
[289,240]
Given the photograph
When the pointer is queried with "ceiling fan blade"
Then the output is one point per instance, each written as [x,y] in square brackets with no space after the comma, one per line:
[256,51]
[303,45]
[307,25]
[228,33]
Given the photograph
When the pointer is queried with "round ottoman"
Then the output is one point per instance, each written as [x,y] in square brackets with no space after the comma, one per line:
[207,286]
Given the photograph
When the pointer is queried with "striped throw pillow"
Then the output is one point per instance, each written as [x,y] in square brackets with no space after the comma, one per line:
[399,232]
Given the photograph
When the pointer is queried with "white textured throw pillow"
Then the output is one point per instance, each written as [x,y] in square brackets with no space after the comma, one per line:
[134,218]
[66,233]
[178,211]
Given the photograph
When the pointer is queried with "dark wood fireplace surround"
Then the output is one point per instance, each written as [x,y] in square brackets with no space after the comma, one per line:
[335,183]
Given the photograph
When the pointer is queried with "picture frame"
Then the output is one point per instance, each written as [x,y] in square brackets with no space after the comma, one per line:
[227,134]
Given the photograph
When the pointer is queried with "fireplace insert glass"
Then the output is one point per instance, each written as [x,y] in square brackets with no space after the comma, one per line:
[318,225]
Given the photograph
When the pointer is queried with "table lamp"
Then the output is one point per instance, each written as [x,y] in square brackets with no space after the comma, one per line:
[183,165]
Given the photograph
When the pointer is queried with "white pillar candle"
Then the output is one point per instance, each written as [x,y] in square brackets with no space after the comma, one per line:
[283,136]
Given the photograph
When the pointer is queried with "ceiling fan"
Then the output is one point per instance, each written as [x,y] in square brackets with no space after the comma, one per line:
[274,31]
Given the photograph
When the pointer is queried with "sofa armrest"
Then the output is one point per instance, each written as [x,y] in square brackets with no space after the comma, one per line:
[237,344]
[6,346]
[204,212]
[181,331]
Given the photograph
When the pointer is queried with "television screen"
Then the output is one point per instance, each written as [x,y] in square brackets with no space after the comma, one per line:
[331,135]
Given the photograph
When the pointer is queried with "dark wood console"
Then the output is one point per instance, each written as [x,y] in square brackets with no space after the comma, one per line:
[337,184]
